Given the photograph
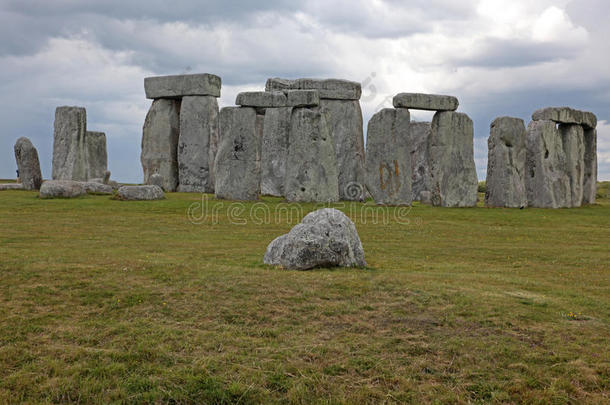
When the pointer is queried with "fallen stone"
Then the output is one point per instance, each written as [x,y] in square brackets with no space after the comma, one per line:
[572,137]
[332,89]
[429,102]
[141,193]
[160,136]
[325,238]
[69,144]
[388,162]
[276,130]
[28,164]
[11,186]
[453,176]
[97,188]
[202,84]
[566,115]
[345,120]
[419,132]
[262,99]
[546,181]
[238,162]
[62,189]
[96,154]
[311,165]
[199,127]
[505,183]
[590,176]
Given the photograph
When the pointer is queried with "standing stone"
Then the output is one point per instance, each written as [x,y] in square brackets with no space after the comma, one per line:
[198,126]
[28,164]
[97,155]
[388,162]
[160,142]
[419,132]
[311,166]
[69,144]
[274,152]
[546,181]
[345,119]
[237,164]
[156,180]
[572,137]
[590,176]
[453,176]
[505,183]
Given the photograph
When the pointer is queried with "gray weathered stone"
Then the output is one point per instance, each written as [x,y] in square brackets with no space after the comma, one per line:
[334,89]
[325,238]
[419,132]
[276,130]
[546,181]
[453,176]
[572,137]
[263,99]
[505,183]
[69,144]
[28,164]
[425,197]
[311,165]
[590,177]
[156,180]
[429,102]
[11,186]
[202,84]
[198,125]
[62,189]
[237,166]
[566,115]
[388,161]
[141,193]
[347,133]
[160,142]
[96,154]
[302,98]
[92,187]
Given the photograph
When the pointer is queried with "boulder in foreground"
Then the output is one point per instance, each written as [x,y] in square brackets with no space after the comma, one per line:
[141,193]
[62,189]
[325,238]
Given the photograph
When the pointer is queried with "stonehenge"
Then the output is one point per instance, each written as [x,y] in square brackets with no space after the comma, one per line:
[140,193]
[78,154]
[505,184]
[419,132]
[28,164]
[181,131]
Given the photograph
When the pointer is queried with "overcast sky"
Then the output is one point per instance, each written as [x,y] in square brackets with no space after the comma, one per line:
[499,57]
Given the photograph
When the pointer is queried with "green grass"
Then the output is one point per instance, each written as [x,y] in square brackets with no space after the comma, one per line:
[105,301]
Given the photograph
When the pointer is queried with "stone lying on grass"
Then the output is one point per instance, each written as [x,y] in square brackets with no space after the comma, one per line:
[98,188]
[11,186]
[62,189]
[325,238]
[141,193]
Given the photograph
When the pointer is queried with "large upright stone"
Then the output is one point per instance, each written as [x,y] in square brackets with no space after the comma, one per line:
[453,176]
[345,119]
[274,152]
[201,84]
[69,144]
[572,137]
[199,128]
[311,166]
[97,154]
[590,177]
[237,165]
[28,164]
[160,142]
[419,132]
[388,161]
[332,89]
[546,180]
[566,115]
[505,183]
[429,102]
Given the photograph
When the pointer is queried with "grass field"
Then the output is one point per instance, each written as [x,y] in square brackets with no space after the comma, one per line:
[105,301]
